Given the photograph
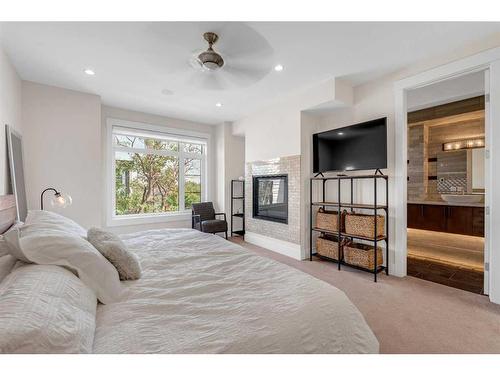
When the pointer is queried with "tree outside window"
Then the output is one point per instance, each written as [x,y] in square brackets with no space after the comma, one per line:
[151,172]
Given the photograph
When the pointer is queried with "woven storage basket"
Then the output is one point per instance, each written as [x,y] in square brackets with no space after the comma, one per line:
[362,255]
[364,225]
[328,220]
[328,246]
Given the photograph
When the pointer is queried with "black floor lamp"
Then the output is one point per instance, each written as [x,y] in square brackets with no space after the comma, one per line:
[58,199]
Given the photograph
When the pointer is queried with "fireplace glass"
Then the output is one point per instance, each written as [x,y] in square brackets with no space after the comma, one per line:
[270,198]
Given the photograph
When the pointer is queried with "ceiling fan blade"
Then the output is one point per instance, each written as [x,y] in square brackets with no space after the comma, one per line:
[240,41]
[244,75]
[209,81]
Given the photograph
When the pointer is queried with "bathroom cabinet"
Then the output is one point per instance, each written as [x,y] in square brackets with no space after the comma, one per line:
[444,218]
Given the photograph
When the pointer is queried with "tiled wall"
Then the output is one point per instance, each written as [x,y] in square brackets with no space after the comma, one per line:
[289,165]
[451,172]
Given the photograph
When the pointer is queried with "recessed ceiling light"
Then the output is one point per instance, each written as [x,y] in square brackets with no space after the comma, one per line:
[89,72]
[219,104]
[278,68]
[340,133]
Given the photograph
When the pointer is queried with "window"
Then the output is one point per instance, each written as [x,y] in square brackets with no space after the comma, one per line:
[155,173]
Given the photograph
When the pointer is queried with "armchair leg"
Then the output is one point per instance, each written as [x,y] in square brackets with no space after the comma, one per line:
[226,234]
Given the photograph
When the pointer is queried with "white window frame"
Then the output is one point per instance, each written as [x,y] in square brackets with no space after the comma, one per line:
[181,135]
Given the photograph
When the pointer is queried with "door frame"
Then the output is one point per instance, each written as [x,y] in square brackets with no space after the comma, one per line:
[489,61]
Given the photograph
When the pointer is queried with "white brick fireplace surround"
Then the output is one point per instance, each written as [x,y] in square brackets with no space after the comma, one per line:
[282,238]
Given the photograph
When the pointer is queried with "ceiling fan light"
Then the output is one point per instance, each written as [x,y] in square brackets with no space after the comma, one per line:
[209,65]
[211,60]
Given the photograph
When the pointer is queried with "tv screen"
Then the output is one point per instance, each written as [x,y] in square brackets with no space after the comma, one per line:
[356,147]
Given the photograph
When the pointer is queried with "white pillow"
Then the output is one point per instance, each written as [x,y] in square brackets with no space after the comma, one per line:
[45,245]
[46,309]
[57,221]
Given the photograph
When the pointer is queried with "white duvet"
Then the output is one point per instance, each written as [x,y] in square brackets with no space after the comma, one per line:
[202,294]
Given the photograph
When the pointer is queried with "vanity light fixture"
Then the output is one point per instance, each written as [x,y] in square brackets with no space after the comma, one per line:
[463,144]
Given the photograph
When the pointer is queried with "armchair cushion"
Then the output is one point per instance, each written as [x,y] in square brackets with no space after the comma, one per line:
[213,226]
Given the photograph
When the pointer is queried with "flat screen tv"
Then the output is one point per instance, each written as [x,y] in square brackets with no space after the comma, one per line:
[357,147]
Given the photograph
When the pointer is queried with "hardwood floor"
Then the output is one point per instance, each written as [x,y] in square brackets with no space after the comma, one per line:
[449,259]
[448,248]
[446,274]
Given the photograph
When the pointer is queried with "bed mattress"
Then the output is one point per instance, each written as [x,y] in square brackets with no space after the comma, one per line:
[202,294]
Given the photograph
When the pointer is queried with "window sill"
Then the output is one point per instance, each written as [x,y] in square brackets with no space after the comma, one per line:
[117,221]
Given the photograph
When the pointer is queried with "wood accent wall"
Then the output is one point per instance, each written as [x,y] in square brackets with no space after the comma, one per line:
[449,109]
[417,162]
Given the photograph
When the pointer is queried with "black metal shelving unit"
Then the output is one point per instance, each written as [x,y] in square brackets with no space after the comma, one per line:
[240,232]
[375,207]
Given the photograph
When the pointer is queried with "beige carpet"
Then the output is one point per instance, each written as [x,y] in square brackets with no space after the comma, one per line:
[410,315]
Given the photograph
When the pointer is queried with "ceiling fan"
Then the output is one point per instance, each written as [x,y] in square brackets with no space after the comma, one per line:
[246,60]
[209,59]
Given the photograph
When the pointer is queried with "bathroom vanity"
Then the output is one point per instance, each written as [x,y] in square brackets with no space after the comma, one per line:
[466,218]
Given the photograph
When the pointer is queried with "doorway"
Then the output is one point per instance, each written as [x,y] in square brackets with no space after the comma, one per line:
[446,182]
[446,135]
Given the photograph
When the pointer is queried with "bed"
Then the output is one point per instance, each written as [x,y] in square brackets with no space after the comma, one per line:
[202,294]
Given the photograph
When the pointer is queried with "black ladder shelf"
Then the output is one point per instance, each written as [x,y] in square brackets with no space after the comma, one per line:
[234,183]
[375,207]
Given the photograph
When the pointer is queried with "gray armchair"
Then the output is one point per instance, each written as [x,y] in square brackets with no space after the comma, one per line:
[204,218]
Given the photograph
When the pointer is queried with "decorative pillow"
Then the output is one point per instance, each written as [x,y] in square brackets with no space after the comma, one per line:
[44,245]
[57,221]
[46,309]
[114,250]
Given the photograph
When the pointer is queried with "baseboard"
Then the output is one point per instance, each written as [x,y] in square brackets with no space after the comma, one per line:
[279,246]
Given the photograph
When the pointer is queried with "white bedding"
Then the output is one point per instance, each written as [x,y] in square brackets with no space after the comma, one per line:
[202,294]
[45,309]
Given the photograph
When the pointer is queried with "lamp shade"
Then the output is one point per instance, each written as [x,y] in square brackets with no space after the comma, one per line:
[61,200]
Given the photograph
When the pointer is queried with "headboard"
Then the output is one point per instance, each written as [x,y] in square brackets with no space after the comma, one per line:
[7,212]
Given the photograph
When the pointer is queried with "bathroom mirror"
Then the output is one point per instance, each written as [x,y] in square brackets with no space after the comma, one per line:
[461,171]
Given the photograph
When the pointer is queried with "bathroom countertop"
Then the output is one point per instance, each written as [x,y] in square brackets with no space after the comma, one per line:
[443,203]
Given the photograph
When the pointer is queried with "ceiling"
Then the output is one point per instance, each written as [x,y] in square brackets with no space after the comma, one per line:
[136,63]
[447,91]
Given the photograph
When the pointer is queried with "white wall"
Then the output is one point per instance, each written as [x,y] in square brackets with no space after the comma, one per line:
[10,113]
[230,166]
[64,138]
[220,153]
[272,133]
[124,114]
[62,148]
[276,130]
